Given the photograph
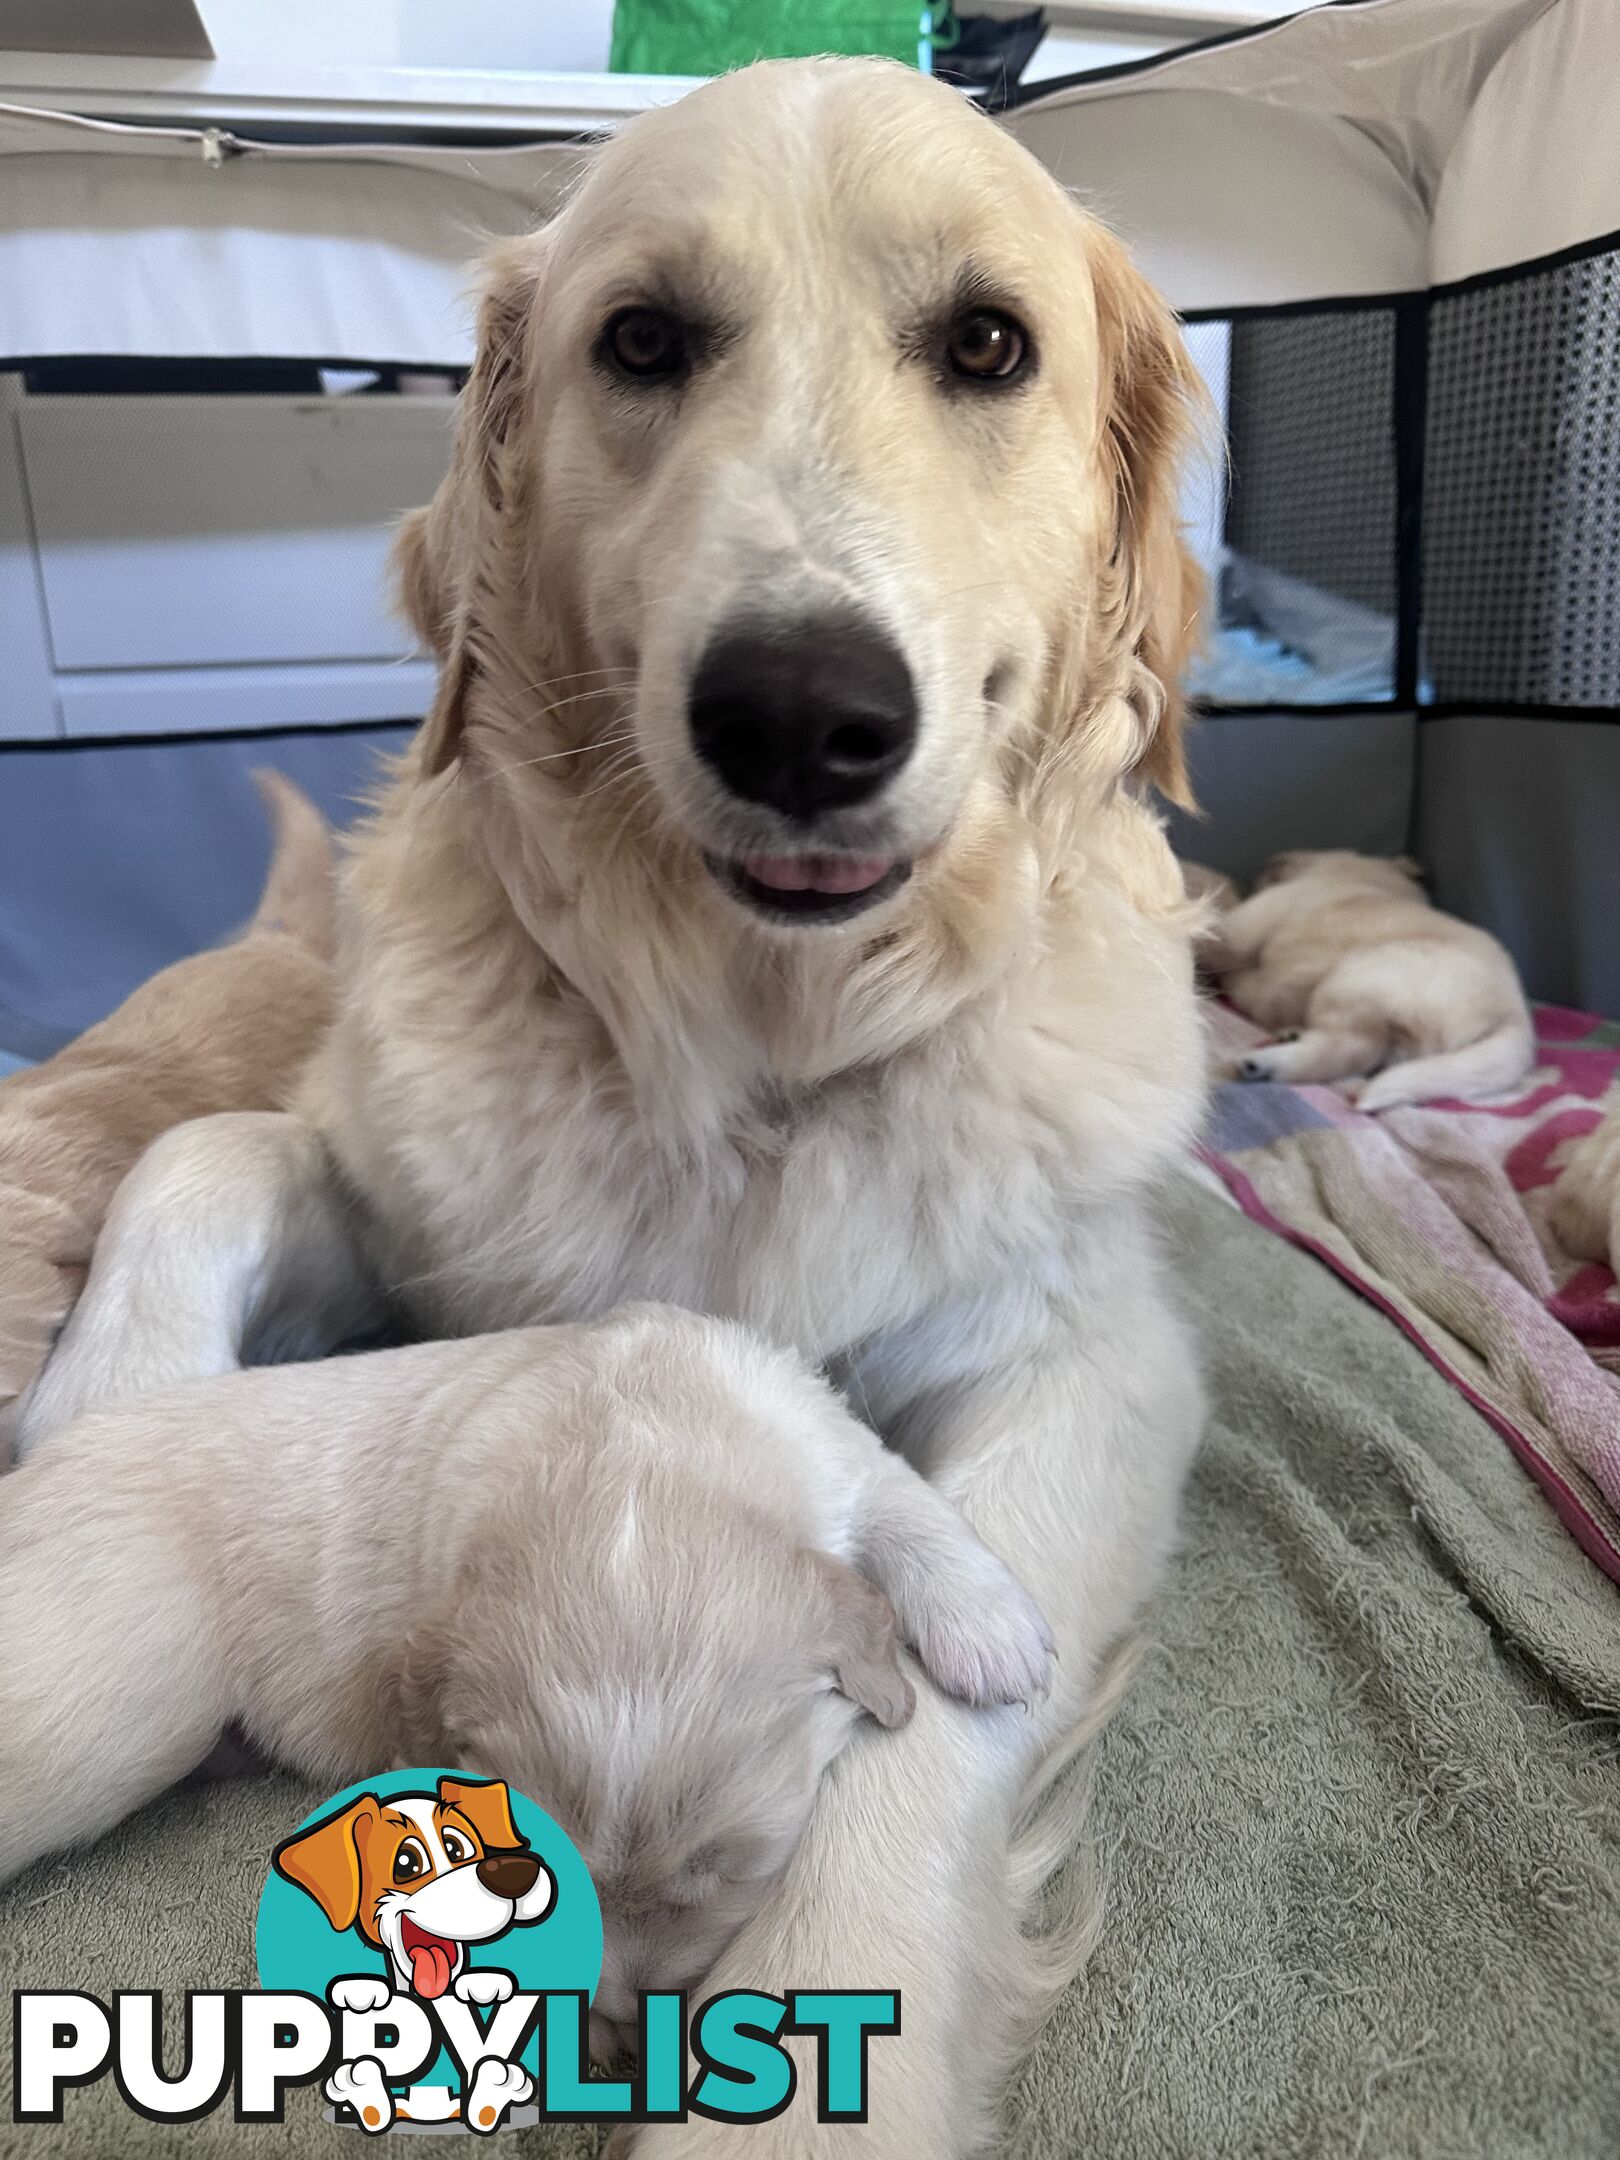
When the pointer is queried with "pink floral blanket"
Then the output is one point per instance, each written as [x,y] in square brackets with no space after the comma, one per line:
[1438,1214]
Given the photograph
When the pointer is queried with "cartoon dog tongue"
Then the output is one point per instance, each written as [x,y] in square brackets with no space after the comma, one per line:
[432,1961]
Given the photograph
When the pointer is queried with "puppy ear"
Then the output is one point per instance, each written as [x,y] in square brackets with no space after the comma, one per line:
[862,1643]
[446,555]
[324,1861]
[1281,868]
[487,1805]
[1154,405]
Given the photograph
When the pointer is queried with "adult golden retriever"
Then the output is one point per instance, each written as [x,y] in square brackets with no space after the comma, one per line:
[769,919]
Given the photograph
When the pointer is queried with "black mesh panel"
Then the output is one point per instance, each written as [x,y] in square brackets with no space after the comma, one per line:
[1313,452]
[1521,577]
[1306,582]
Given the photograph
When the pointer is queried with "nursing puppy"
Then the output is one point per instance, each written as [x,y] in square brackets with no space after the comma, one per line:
[224,1030]
[771,918]
[615,1565]
[1342,957]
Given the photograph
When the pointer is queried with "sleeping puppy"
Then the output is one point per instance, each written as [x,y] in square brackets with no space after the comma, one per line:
[223,1030]
[1342,957]
[1584,1211]
[614,1563]
[1213,887]
[1215,896]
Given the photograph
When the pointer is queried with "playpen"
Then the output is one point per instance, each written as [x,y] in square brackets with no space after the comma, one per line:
[1392,226]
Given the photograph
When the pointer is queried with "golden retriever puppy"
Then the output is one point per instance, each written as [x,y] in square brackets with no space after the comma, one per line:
[772,918]
[615,1565]
[1584,1210]
[1214,896]
[1342,957]
[1212,887]
[224,1030]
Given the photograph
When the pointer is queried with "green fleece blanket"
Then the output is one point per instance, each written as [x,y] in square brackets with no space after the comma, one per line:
[1360,1813]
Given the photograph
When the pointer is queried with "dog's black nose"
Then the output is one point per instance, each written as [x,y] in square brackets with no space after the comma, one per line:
[804,716]
[508,1874]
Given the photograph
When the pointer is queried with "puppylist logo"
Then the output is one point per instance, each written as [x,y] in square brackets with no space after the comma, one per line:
[428,1947]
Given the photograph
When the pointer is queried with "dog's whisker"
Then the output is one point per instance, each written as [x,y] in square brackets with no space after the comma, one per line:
[617,667]
[575,697]
[623,770]
[550,757]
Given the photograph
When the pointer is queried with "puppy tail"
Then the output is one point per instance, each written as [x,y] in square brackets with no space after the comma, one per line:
[1497,1061]
[298,894]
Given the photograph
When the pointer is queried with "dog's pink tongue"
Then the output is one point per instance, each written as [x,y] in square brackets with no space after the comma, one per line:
[430,1968]
[816,873]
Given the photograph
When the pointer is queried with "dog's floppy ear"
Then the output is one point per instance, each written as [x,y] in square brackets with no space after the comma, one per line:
[862,1643]
[1154,408]
[419,584]
[324,1861]
[444,555]
[487,1805]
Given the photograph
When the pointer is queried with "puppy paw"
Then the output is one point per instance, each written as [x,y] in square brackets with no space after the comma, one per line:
[361,1992]
[987,1648]
[484,1985]
[1255,1065]
[359,2085]
[496,2086]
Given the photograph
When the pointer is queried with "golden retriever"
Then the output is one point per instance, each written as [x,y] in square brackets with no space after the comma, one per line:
[1345,954]
[771,919]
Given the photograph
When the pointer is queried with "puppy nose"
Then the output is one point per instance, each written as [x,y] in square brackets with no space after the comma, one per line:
[805,716]
[508,1874]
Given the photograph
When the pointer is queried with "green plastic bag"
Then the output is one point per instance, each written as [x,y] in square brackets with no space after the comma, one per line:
[705,37]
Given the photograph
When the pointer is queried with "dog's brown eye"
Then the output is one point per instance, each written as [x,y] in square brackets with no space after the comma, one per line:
[410,1862]
[987,346]
[456,1848]
[645,342]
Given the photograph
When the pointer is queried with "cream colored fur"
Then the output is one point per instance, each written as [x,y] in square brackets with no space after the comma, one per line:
[569,1069]
[1343,957]
[1213,887]
[224,1030]
[1584,1212]
[614,1565]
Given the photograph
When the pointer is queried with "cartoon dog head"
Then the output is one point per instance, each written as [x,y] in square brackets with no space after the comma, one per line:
[421,1875]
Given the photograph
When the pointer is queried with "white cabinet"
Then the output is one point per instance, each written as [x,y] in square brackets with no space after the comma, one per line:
[210,563]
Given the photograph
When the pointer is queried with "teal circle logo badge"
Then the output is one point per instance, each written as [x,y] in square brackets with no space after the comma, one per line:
[430,1909]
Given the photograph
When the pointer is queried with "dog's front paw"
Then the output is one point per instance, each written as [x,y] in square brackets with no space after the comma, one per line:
[1253,1065]
[483,1985]
[360,1992]
[359,2085]
[496,2086]
[987,1643]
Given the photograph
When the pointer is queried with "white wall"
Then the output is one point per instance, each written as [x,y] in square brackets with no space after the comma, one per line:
[413,33]
[532,34]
